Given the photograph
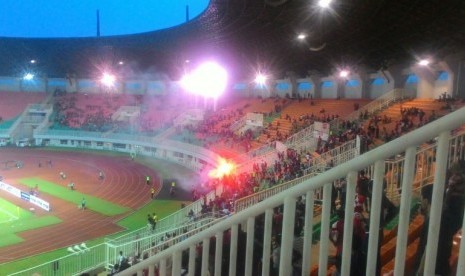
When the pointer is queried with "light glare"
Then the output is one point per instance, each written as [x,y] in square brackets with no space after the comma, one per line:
[224,168]
[344,74]
[260,79]
[108,79]
[301,36]
[324,3]
[423,62]
[208,80]
[28,76]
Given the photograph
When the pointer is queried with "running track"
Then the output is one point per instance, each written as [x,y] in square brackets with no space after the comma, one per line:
[124,184]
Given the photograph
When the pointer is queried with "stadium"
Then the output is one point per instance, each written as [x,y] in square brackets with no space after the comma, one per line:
[232,137]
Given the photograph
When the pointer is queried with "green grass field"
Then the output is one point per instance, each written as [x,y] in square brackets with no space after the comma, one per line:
[93,203]
[14,220]
[133,222]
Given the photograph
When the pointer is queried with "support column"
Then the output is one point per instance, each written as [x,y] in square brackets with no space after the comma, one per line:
[308,233]
[404,212]
[325,224]
[348,223]
[205,255]
[176,266]
[436,203]
[218,253]
[192,260]
[249,246]
[233,250]
[267,242]
[375,216]
[287,237]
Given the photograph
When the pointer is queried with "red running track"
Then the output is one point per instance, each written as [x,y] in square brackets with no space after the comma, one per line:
[124,184]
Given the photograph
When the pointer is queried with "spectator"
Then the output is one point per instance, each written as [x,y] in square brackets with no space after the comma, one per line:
[275,257]
[452,215]
[426,195]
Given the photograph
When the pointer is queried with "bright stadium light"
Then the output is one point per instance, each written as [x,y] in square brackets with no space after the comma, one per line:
[28,76]
[301,36]
[324,3]
[260,79]
[33,61]
[208,80]
[108,80]
[344,74]
[423,62]
[121,62]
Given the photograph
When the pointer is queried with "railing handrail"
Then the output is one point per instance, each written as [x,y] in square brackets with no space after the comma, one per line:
[379,103]
[241,203]
[412,139]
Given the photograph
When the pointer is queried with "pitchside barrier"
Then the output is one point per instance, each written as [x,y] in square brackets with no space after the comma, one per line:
[25,196]
[83,259]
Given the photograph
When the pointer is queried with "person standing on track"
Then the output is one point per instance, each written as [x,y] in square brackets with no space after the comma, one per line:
[83,203]
[152,192]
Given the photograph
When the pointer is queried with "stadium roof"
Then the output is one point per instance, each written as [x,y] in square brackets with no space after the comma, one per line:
[252,35]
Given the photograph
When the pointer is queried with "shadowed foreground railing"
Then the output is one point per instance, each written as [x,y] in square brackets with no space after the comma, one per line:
[238,231]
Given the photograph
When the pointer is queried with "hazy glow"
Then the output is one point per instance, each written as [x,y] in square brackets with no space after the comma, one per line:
[324,3]
[108,79]
[121,62]
[423,62]
[28,76]
[208,80]
[343,73]
[260,79]
[301,36]
[33,61]
[224,168]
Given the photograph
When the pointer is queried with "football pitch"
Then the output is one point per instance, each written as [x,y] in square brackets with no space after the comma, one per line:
[8,211]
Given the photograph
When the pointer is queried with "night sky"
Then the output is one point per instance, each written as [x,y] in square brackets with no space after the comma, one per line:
[77,18]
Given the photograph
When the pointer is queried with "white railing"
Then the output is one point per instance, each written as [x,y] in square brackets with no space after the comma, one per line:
[300,137]
[238,124]
[136,247]
[338,155]
[241,255]
[424,165]
[251,200]
[148,232]
[207,156]
[378,104]
[84,259]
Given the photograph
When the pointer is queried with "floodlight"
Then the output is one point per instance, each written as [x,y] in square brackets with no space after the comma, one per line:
[70,249]
[28,76]
[108,79]
[121,62]
[343,73]
[324,3]
[33,61]
[77,248]
[260,79]
[301,36]
[208,80]
[187,61]
[423,62]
